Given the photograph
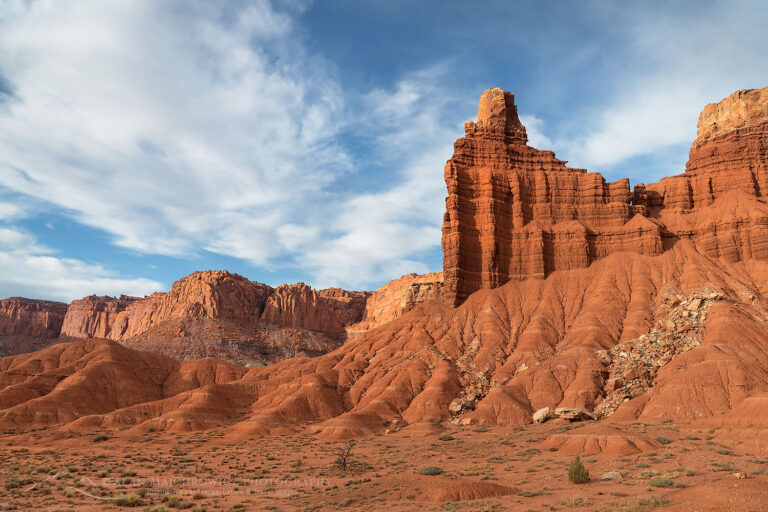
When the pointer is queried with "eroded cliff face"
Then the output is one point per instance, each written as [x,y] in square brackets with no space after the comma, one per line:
[27,324]
[396,298]
[515,212]
[93,316]
[217,295]
[28,317]
[328,311]
[224,315]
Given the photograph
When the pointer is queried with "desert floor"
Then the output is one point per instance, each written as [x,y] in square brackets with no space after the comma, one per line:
[653,467]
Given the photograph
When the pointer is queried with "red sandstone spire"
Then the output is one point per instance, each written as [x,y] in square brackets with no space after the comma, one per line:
[514,212]
[497,116]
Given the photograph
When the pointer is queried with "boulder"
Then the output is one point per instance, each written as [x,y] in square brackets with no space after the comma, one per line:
[541,415]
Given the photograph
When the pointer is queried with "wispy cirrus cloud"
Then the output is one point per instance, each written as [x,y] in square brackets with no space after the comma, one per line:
[668,66]
[183,128]
[166,124]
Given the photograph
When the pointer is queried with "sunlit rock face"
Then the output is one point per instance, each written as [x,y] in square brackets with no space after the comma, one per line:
[515,212]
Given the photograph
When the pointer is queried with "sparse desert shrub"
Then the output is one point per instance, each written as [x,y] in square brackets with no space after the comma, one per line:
[664,482]
[651,502]
[171,500]
[576,501]
[431,470]
[663,440]
[99,438]
[344,456]
[531,494]
[445,437]
[129,500]
[577,473]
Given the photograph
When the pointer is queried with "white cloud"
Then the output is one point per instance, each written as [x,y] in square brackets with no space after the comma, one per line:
[34,270]
[10,211]
[672,65]
[170,125]
[178,133]
[177,127]
[382,235]
[534,127]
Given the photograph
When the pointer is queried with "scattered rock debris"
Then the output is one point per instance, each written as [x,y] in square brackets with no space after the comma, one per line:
[475,384]
[633,364]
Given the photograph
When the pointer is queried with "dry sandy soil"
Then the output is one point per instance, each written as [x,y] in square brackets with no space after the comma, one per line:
[656,467]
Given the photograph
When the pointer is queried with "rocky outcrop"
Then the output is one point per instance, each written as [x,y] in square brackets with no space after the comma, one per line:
[633,364]
[217,295]
[224,315]
[32,318]
[210,294]
[217,314]
[93,316]
[515,212]
[329,311]
[27,325]
[396,298]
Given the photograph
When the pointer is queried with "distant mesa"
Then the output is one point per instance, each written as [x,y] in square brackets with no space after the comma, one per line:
[217,314]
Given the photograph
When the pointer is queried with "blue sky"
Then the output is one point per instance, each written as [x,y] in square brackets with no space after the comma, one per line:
[141,140]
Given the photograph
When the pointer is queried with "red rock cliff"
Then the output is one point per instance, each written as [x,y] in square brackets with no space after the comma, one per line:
[396,298]
[31,318]
[217,295]
[328,311]
[94,316]
[515,212]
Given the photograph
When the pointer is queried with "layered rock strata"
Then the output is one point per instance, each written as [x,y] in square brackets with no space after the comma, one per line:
[33,318]
[27,325]
[678,335]
[396,298]
[219,314]
[515,212]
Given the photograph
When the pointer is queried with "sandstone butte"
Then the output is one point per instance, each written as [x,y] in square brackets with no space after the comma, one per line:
[515,212]
[572,292]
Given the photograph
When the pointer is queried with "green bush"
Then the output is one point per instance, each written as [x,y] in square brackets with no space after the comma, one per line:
[663,440]
[99,438]
[664,482]
[577,473]
[430,470]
